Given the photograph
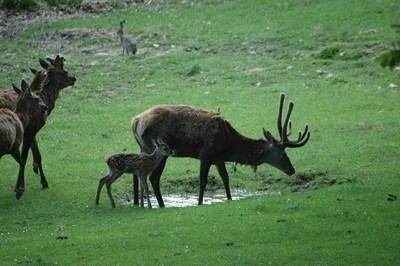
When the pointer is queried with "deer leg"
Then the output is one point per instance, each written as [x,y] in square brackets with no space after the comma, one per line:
[135,190]
[17,157]
[204,168]
[37,163]
[225,179]
[102,181]
[155,181]
[20,186]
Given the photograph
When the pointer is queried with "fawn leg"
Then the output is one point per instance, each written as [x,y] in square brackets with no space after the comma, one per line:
[155,181]
[146,190]
[37,163]
[141,192]
[109,182]
[204,168]
[225,179]
[102,181]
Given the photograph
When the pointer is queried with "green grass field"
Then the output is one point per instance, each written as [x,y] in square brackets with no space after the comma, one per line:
[237,56]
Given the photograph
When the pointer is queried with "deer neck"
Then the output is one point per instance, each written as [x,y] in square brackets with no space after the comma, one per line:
[247,151]
[49,93]
[23,116]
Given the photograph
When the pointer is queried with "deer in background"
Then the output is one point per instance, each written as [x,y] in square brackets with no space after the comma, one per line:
[128,44]
[139,164]
[207,136]
[47,83]
[13,123]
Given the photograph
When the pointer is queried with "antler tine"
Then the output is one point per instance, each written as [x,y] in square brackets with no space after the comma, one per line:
[284,138]
[301,140]
[279,122]
[299,143]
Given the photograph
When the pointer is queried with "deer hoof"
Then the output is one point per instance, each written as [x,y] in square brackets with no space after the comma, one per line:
[35,169]
[19,193]
[45,185]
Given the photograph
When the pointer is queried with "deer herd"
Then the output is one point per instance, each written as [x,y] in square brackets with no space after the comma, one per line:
[161,131]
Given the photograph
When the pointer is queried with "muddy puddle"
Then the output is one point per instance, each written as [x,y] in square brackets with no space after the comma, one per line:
[187,200]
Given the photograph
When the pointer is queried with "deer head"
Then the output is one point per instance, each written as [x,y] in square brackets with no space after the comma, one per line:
[275,154]
[56,72]
[30,103]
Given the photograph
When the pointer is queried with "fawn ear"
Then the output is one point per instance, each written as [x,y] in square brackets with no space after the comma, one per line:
[43,63]
[16,89]
[34,71]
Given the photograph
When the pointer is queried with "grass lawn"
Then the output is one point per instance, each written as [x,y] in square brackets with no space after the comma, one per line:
[237,56]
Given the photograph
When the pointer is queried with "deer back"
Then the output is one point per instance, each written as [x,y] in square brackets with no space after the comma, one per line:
[189,131]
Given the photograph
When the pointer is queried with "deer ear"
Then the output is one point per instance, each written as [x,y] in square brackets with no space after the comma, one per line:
[43,63]
[34,71]
[268,136]
[51,60]
[16,89]
[25,86]
[154,143]
[58,62]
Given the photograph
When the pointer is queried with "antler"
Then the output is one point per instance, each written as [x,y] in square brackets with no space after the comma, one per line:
[302,138]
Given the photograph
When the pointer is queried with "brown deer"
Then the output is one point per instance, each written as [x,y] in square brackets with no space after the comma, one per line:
[56,79]
[49,81]
[128,44]
[12,124]
[207,136]
[139,164]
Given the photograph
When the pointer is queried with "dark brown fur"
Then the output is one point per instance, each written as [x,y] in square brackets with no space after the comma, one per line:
[13,124]
[47,83]
[207,136]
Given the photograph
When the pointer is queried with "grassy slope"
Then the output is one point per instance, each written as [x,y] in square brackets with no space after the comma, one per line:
[351,111]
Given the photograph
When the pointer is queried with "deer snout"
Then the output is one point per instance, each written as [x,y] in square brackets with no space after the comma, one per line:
[72,80]
[44,107]
[290,171]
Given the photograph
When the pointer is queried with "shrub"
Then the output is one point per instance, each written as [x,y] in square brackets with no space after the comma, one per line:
[18,4]
[64,2]
[330,51]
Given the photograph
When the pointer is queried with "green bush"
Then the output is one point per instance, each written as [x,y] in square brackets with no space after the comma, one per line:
[18,4]
[64,2]
[330,51]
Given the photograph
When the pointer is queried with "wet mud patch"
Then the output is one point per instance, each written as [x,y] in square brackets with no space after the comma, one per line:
[79,40]
[191,199]
[101,42]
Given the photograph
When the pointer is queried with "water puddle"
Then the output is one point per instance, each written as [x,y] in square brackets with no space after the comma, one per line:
[187,200]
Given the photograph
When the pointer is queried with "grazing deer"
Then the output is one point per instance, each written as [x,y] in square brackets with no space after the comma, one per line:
[128,44]
[13,124]
[207,136]
[141,165]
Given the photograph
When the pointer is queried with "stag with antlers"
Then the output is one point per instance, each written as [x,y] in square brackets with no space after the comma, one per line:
[207,136]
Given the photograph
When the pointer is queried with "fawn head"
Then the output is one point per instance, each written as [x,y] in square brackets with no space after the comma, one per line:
[274,153]
[28,102]
[163,148]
